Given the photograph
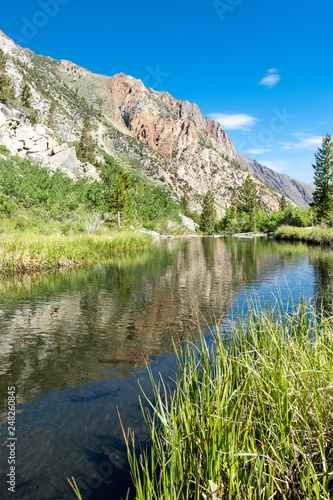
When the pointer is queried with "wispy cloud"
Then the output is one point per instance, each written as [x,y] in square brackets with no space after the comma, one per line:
[237,121]
[280,166]
[305,142]
[271,79]
[257,151]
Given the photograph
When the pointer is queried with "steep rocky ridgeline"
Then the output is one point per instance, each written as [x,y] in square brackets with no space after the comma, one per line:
[301,193]
[167,140]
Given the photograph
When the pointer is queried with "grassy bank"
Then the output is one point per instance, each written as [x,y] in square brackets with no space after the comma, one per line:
[317,235]
[23,252]
[251,416]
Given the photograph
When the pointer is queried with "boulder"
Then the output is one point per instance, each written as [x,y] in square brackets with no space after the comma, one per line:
[58,148]
[28,144]
[49,132]
[14,114]
[41,144]
[5,140]
[38,157]
[16,145]
[188,222]
[148,231]
[86,170]
[43,130]
[39,129]
[64,160]
[25,132]
[51,143]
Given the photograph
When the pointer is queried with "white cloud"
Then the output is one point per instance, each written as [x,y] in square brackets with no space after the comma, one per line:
[305,142]
[237,121]
[280,166]
[257,151]
[271,79]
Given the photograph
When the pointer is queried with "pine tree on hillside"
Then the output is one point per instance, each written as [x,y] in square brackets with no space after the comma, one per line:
[120,200]
[52,118]
[2,61]
[208,214]
[234,202]
[7,91]
[323,180]
[283,203]
[25,95]
[248,200]
[87,146]
[184,204]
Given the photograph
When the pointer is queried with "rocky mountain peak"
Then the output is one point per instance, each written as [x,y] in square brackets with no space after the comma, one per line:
[166,139]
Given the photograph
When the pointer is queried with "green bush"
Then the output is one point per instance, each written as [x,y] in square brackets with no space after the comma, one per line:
[7,206]
[153,204]
[4,151]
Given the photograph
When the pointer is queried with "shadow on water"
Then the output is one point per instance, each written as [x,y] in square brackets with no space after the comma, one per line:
[76,345]
[323,289]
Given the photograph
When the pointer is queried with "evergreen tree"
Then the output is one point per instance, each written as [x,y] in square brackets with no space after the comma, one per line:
[26,95]
[184,204]
[87,146]
[7,91]
[248,200]
[208,214]
[2,61]
[120,200]
[52,118]
[283,203]
[323,179]
[234,202]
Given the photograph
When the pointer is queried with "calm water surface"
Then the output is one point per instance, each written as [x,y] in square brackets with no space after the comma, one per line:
[75,346]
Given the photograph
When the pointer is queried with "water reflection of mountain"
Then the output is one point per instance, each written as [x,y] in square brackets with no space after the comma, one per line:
[62,329]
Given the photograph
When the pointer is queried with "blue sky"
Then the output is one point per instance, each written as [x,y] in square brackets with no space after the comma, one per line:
[261,68]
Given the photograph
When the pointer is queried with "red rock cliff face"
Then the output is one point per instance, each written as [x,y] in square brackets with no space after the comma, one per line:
[164,123]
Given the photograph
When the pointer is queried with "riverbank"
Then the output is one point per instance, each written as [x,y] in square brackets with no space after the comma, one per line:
[29,252]
[251,416]
[316,235]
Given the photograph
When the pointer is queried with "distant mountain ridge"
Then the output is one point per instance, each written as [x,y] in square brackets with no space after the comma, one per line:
[299,192]
[166,140]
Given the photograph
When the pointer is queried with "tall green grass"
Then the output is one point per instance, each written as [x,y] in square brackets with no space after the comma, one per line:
[28,252]
[251,416]
[318,235]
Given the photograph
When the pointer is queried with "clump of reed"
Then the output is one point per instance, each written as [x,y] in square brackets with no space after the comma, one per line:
[251,416]
[26,252]
[318,235]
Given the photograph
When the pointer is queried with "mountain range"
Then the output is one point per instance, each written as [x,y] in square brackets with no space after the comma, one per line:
[166,140]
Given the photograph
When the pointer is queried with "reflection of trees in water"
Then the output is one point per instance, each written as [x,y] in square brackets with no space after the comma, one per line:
[323,288]
[244,255]
[209,250]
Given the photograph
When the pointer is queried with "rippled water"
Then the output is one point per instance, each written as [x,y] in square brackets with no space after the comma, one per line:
[76,345]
